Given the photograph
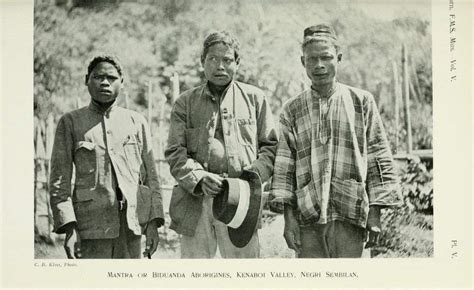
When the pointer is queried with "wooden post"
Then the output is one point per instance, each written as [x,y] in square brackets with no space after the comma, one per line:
[37,135]
[161,133]
[150,104]
[396,97]
[162,111]
[40,150]
[406,98]
[175,86]
[50,128]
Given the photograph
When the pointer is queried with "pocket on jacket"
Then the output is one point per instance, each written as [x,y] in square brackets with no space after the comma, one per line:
[307,203]
[247,131]
[85,158]
[86,208]
[132,153]
[348,197]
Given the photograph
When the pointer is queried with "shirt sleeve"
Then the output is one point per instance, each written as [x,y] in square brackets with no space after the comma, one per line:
[151,176]
[267,141]
[187,171]
[284,175]
[61,165]
[382,181]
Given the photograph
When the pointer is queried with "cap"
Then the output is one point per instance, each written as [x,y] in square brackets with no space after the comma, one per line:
[322,30]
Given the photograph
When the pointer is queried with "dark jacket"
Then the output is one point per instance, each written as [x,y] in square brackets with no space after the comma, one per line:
[97,144]
[249,139]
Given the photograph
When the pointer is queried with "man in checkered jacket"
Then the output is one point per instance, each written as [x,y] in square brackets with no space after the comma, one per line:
[333,170]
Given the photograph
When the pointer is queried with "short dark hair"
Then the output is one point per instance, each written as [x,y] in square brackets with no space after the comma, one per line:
[223,37]
[112,59]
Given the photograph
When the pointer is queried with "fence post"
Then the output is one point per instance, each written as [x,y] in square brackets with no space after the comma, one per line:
[150,104]
[49,135]
[406,98]
[175,86]
[396,96]
[160,130]
[42,210]
[50,129]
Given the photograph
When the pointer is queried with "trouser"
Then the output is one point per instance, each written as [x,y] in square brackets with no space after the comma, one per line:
[211,233]
[126,246]
[335,239]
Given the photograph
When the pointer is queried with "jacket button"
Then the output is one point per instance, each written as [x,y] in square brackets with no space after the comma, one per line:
[109,132]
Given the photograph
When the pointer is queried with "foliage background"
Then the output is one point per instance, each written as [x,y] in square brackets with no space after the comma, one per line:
[155,39]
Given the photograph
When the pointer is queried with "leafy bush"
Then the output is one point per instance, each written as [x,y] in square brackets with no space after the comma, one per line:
[417,186]
[408,230]
[406,233]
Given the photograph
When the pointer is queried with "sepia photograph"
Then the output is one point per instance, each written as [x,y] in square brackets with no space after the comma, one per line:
[204,144]
[330,104]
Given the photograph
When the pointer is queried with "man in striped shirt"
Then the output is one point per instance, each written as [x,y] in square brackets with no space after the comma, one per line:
[333,169]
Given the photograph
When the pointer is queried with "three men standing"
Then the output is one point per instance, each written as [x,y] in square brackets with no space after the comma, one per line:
[333,168]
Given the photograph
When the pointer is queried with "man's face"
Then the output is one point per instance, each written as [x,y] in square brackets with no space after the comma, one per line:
[104,82]
[320,61]
[220,64]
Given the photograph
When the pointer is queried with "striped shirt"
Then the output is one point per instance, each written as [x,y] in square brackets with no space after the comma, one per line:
[333,160]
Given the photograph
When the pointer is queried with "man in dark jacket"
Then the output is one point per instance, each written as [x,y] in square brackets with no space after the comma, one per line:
[217,129]
[110,149]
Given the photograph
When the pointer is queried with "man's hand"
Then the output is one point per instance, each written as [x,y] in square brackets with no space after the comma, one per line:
[292,230]
[152,239]
[72,243]
[211,184]
[374,226]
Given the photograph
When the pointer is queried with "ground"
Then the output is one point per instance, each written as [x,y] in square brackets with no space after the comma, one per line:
[413,239]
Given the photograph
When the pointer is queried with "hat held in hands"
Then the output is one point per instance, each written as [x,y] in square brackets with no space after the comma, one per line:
[239,206]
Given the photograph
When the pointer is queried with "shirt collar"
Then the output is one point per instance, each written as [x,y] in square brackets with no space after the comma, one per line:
[207,92]
[316,95]
[94,106]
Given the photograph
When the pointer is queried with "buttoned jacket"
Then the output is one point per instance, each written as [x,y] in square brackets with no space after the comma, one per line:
[249,137]
[108,150]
